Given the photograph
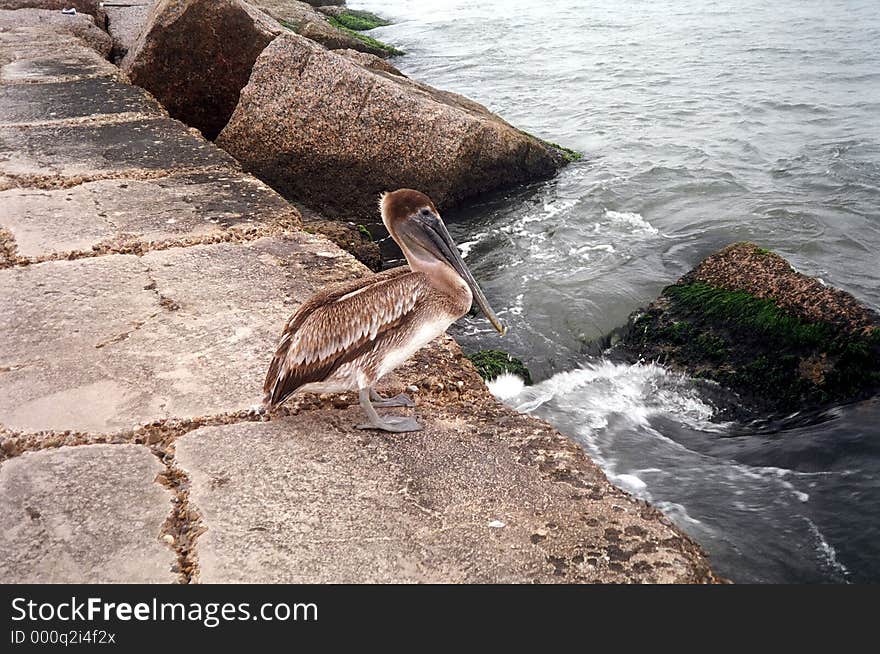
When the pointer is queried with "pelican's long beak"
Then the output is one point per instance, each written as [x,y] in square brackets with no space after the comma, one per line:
[440,243]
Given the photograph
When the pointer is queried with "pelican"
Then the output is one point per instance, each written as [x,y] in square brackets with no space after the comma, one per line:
[350,335]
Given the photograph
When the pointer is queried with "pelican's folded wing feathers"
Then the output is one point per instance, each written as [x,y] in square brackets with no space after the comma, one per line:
[332,327]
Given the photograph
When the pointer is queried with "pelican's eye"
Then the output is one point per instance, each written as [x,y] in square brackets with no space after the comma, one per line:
[426,212]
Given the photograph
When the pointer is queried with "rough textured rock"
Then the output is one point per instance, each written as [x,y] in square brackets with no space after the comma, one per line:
[117,341]
[82,26]
[781,340]
[371,61]
[350,238]
[330,9]
[130,215]
[324,130]
[304,20]
[125,24]
[90,514]
[196,55]
[481,495]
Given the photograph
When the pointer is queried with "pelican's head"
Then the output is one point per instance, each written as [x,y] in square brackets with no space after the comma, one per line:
[415,225]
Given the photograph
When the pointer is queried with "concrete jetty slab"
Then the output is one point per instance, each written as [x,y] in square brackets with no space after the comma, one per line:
[114,342]
[131,215]
[89,514]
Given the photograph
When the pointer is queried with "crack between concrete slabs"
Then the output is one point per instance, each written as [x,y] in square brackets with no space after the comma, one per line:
[93,119]
[60,79]
[182,528]
[280,226]
[53,182]
[184,525]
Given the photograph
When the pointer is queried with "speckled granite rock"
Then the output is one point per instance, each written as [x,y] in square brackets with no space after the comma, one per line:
[371,61]
[82,26]
[125,23]
[781,340]
[324,130]
[304,20]
[196,55]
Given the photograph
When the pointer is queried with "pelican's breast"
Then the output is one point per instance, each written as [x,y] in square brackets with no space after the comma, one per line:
[430,321]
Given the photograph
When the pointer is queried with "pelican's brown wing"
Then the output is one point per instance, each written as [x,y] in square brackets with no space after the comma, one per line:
[332,328]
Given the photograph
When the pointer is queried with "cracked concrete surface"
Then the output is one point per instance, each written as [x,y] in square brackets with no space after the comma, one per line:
[91,514]
[81,355]
[308,500]
[143,282]
[119,215]
[95,150]
[78,98]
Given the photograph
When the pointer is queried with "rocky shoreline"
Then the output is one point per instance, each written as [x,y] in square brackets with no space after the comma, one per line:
[743,318]
[143,279]
[324,121]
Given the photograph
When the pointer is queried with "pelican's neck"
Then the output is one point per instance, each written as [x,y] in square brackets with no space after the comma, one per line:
[443,277]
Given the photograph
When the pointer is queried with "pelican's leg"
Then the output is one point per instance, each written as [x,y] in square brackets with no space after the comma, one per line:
[398,400]
[388,423]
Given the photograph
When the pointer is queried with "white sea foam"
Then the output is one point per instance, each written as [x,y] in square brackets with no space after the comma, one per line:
[632,223]
[826,550]
[637,391]
[465,248]
[630,483]
[679,514]
[779,475]
[506,386]
[601,392]
[585,250]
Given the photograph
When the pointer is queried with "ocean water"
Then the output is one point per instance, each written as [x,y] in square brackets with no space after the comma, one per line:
[702,123]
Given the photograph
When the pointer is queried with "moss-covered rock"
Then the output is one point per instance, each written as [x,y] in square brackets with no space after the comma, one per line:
[492,363]
[781,340]
[361,21]
[313,23]
[342,24]
[567,154]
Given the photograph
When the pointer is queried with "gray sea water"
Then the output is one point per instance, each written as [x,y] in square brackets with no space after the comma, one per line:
[702,123]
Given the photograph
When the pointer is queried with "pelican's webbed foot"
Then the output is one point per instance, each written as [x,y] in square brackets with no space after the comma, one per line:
[398,400]
[397,424]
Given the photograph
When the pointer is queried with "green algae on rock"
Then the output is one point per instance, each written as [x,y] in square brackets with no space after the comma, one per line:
[369,40]
[779,339]
[360,21]
[567,154]
[492,363]
[313,24]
